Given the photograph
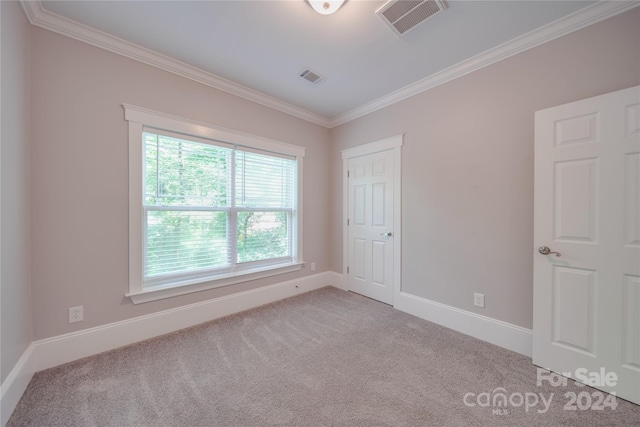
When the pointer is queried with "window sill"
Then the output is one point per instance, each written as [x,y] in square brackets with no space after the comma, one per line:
[167,291]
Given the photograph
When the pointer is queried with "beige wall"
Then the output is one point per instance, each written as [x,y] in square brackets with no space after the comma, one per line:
[16,332]
[79,173]
[468,165]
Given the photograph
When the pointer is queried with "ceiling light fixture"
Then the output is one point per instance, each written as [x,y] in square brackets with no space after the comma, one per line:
[325,7]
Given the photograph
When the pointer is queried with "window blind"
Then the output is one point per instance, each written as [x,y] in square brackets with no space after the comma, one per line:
[210,207]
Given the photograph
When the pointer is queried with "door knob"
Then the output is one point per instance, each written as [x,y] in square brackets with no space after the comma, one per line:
[544,250]
[388,234]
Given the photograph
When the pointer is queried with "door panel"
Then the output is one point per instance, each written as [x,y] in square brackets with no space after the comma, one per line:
[631,330]
[573,308]
[378,191]
[576,200]
[359,265]
[632,199]
[575,130]
[587,208]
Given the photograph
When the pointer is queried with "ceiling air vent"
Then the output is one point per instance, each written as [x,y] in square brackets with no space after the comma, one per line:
[404,15]
[312,76]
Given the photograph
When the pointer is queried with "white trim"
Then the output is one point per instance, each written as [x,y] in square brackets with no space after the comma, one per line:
[61,349]
[561,27]
[197,285]
[164,121]
[16,383]
[298,227]
[600,11]
[503,334]
[373,147]
[397,215]
[337,280]
[391,143]
[135,206]
[345,219]
[43,18]
[50,352]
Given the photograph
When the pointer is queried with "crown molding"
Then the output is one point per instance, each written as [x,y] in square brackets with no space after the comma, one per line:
[561,27]
[600,11]
[43,18]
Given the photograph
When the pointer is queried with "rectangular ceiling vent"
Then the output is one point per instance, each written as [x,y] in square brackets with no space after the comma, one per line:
[312,76]
[405,15]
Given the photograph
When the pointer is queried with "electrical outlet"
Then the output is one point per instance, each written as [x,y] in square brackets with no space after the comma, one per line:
[313,266]
[76,314]
[478,300]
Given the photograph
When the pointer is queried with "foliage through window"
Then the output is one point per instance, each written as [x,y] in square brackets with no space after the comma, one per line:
[214,209]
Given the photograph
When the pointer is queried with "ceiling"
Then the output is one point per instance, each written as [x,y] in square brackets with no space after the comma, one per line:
[264,45]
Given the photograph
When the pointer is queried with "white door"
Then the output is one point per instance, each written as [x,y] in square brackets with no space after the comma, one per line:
[587,208]
[370,226]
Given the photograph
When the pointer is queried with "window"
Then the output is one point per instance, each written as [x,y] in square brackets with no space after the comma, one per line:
[208,207]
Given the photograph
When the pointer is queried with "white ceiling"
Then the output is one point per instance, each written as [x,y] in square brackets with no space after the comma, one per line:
[264,45]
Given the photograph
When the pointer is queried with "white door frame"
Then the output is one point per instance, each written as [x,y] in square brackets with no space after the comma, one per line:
[392,143]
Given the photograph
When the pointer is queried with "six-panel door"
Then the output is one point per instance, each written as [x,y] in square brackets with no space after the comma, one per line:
[587,208]
[370,230]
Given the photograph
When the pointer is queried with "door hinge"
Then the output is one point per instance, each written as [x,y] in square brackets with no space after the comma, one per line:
[347,221]
[347,270]
[347,174]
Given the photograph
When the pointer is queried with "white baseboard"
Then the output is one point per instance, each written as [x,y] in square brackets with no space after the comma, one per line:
[50,352]
[16,383]
[338,281]
[61,349]
[503,334]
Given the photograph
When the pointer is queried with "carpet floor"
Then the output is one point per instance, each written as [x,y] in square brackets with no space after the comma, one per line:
[324,358]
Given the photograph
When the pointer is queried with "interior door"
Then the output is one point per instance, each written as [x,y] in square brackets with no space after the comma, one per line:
[587,209]
[370,225]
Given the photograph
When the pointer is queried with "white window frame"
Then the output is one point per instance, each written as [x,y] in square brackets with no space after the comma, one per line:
[138,118]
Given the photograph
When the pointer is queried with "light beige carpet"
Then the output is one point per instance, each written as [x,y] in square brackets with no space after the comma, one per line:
[326,358]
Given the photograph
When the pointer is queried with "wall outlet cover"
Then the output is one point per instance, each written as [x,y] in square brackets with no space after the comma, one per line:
[478,300]
[76,314]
